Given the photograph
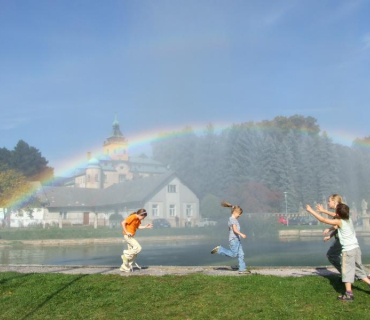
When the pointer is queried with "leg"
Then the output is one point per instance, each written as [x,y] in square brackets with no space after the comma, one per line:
[226,252]
[334,255]
[242,266]
[361,272]
[133,249]
[348,266]
[129,255]
[348,274]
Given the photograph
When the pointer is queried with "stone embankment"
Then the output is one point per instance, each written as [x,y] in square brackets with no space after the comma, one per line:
[172,270]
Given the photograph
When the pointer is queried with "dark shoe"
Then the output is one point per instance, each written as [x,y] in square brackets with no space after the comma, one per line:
[215,250]
[346,297]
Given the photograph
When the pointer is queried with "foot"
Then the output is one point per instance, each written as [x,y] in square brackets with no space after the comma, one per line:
[244,272]
[125,262]
[215,250]
[124,269]
[131,264]
[346,297]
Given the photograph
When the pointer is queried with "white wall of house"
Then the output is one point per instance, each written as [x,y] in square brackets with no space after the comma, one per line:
[174,200]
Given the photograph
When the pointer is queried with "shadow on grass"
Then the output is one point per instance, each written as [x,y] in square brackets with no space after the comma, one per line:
[19,275]
[40,305]
[334,278]
[360,289]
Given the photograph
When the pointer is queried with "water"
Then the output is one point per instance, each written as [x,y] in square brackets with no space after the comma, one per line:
[177,253]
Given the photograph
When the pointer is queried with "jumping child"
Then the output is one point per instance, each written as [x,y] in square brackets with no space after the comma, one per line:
[129,226]
[351,252]
[236,249]
[335,251]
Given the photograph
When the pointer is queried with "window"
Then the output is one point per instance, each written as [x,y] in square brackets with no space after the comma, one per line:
[189,210]
[172,210]
[121,178]
[64,215]
[97,178]
[171,188]
[154,210]
[88,178]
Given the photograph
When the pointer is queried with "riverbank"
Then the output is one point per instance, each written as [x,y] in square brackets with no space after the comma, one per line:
[173,270]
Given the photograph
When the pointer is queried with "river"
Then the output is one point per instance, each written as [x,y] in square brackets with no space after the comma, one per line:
[177,253]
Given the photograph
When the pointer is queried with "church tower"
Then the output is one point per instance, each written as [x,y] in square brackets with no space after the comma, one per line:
[116,145]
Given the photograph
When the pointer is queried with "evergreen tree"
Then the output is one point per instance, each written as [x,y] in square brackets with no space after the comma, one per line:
[285,175]
[5,156]
[326,168]
[29,161]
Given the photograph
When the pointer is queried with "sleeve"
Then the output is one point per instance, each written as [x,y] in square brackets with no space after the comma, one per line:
[232,221]
[130,218]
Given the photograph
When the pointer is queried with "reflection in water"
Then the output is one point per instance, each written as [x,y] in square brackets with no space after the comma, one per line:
[176,253]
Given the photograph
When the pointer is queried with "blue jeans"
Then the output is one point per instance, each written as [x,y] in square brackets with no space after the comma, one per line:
[236,250]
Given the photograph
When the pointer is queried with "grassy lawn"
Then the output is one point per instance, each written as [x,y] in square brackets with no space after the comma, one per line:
[56,296]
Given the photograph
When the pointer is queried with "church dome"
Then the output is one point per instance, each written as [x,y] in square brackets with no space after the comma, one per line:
[93,163]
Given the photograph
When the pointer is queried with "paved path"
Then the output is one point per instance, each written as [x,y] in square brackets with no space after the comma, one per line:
[169,270]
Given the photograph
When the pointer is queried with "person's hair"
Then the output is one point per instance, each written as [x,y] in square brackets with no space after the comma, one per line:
[140,212]
[233,208]
[342,211]
[336,198]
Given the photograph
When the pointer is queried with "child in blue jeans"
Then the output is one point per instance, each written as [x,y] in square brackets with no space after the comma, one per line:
[236,249]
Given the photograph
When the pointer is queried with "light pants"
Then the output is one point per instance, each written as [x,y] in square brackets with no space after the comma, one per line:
[236,250]
[133,248]
[352,266]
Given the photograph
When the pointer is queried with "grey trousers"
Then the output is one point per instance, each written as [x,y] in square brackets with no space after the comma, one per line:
[352,266]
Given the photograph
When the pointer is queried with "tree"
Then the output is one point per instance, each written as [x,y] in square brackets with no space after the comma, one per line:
[16,193]
[210,207]
[297,123]
[254,197]
[30,162]
[5,156]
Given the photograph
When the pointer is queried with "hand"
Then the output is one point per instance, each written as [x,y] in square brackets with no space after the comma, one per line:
[243,235]
[327,238]
[326,231]
[320,208]
[149,225]
[129,234]
[308,208]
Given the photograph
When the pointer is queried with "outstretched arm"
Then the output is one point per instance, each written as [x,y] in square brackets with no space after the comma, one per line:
[334,222]
[148,226]
[321,209]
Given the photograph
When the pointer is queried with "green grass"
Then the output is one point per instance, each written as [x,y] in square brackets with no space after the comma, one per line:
[57,296]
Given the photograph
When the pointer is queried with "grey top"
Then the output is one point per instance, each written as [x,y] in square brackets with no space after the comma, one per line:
[232,234]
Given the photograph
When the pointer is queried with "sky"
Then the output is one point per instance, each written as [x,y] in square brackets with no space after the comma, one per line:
[68,67]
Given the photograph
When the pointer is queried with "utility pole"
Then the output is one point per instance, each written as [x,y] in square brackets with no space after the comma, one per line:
[286,207]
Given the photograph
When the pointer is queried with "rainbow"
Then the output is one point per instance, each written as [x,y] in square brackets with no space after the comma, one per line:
[144,139]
